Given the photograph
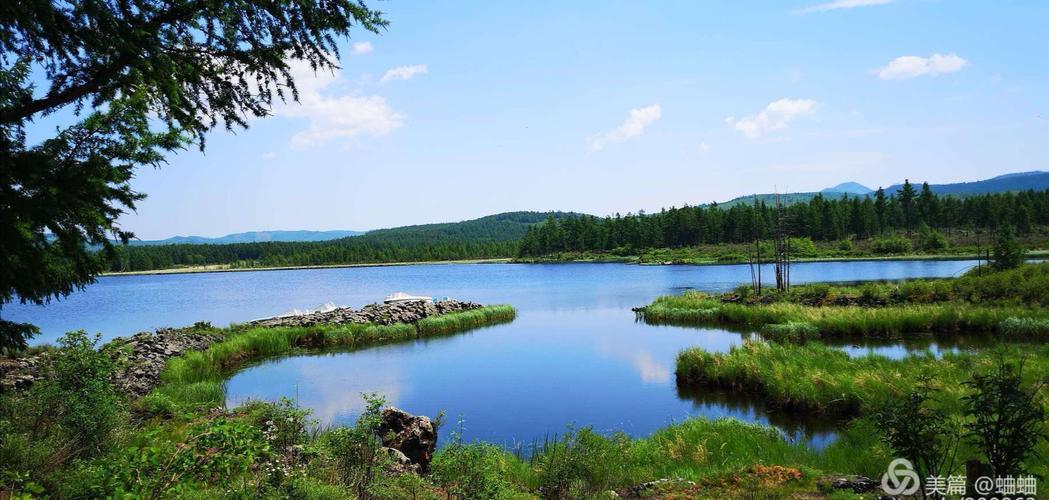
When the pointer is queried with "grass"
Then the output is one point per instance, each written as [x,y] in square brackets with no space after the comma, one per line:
[714,453]
[695,308]
[447,323]
[817,378]
[197,378]
[1009,304]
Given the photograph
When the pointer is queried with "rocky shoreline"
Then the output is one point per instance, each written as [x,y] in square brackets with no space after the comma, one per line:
[140,358]
[379,314]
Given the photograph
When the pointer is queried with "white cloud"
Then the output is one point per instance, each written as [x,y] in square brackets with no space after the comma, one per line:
[704,147]
[360,48]
[335,117]
[842,4]
[777,115]
[403,73]
[633,126]
[906,67]
[268,156]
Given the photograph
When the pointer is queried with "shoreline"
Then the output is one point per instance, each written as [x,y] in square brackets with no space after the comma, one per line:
[223,268]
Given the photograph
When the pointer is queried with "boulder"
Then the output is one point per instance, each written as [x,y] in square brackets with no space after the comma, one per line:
[414,436]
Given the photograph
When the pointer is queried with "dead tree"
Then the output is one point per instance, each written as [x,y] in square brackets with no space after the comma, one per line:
[781,225]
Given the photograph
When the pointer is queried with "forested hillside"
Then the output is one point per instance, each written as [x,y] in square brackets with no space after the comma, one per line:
[821,218]
[488,237]
[536,234]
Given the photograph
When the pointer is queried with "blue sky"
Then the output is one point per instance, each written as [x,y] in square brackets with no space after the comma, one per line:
[463,109]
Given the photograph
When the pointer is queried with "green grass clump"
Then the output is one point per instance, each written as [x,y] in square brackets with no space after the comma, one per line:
[585,464]
[474,318]
[817,378]
[1025,327]
[197,378]
[794,331]
[896,321]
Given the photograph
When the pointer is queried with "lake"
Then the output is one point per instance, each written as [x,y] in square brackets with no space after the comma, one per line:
[575,356]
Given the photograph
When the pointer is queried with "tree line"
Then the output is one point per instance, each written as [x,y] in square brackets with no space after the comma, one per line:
[821,219]
[528,235]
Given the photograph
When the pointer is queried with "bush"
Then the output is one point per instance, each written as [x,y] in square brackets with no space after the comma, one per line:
[472,471]
[917,431]
[925,291]
[891,245]
[846,246]
[1007,419]
[1008,254]
[802,247]
[931,239]
[813,294]
[355,451]
[69,415]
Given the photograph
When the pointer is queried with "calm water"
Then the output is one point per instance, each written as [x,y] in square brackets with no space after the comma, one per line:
[574,356]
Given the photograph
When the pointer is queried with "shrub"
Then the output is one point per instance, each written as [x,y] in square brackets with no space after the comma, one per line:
[917,431]
[813,294]
[1008,254]
[846,246]
[69,415]
[891,245]
[873,294]
[472,471]
[931,239]
[356,451]
[802,247]
[1007,419]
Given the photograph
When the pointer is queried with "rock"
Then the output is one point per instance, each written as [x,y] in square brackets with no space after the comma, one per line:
[138,359]
[414,436]
[856,484]
[382,314]
[645,490]
[399,463]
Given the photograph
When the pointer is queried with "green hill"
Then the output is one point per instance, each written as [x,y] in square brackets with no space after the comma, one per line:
[494,236]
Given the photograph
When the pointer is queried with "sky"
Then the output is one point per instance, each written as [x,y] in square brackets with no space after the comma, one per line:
[465,109]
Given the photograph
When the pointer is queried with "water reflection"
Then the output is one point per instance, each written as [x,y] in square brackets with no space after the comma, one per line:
[574,356]
[719,403]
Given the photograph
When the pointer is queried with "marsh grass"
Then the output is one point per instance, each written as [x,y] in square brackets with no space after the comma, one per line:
[817,378]
[897,321]
[447,323]
[583,464]
[197,378]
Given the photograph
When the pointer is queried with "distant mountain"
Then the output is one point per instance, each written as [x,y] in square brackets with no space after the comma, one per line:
[1019,181]
[253,237]
[849,187]
[499,227]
